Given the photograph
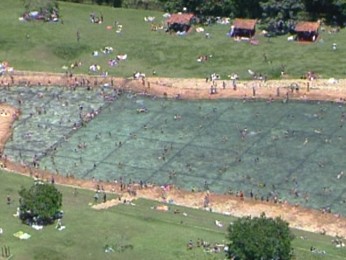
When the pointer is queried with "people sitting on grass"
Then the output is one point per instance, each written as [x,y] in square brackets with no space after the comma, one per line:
[202,58]
[149,18]
[338,242]
[254,41]
[76,64]
[94,68]
[5,68]
[317,251]
[121,57]
[107,50]
[59,225]
[138,75]
[113,62]
[46,15]
[155,27]
[95,19]
[119,28]
[206,246]
[190,245]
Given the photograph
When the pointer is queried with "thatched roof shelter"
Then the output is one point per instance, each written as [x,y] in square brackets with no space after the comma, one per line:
[307,31]
[243,28]
[307,27]
[180,22]
[180,18]
[245,24]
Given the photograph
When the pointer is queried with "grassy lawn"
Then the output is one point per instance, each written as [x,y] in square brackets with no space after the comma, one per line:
[42,46]
[153,234]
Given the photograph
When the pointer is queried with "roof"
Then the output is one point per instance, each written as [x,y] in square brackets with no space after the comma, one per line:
[248,24]
[307,26]
[180,18]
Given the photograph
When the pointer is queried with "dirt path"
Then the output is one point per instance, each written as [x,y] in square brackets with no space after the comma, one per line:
[8,115]
[298,217]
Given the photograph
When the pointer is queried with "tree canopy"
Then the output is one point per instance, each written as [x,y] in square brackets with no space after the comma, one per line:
[39,5]
[40,204]
[281,9]
[260,238]
[332,11]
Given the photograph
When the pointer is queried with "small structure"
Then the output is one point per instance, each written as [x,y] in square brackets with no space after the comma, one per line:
[307,31]
[243,28]
[180,22]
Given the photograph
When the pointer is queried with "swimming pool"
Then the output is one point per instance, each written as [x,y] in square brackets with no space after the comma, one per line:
[292,150]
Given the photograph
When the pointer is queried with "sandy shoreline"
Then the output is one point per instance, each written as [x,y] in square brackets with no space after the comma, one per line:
[298,217]
[321,89]
[8,115]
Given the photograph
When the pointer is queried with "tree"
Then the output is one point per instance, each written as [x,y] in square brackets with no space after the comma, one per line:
[200,7]
[260,238]
[246,9]
[40,204]
[117,3]
[37,5]
[282,9]
[333,11]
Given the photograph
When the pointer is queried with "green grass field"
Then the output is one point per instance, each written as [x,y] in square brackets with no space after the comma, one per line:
[153,234]
[42,46]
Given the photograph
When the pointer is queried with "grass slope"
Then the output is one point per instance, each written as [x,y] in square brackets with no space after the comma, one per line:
[42,46]
[153,234]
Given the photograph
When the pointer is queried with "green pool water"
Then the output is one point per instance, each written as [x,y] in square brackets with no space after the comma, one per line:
[293,150]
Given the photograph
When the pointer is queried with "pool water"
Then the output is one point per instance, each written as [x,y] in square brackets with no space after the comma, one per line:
[292,150]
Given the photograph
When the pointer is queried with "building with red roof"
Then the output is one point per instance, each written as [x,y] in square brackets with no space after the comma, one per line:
[243,28]
[180,22]
[307,31]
